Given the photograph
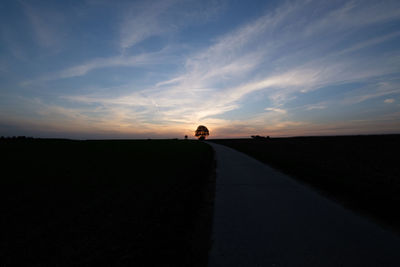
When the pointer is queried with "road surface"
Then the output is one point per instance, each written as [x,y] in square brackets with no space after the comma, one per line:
[264,218]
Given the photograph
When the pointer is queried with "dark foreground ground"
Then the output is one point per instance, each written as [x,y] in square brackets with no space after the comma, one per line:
[108,203]
[361,172]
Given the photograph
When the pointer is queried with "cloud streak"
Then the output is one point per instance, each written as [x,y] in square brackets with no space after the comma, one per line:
[98,63]
[141,22]
[145,19]
[46,24]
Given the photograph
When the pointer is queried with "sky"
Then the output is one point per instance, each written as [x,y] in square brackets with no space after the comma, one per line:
[158,69]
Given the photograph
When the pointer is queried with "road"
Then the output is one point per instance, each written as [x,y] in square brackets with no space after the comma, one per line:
[265,218]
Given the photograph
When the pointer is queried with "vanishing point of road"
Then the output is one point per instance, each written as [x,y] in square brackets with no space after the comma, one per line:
[265,218]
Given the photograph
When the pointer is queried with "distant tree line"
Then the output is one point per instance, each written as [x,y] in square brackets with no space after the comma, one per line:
[16,137]
[258,137]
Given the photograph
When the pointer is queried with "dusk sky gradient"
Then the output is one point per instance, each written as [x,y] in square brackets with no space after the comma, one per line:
[158,69]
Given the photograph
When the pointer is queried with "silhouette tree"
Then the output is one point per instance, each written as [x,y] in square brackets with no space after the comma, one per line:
[202,132]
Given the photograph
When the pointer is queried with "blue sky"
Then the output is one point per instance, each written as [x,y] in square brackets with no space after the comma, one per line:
[158,69]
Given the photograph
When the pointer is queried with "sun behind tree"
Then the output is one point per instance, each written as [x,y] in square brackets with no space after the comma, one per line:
[202,132]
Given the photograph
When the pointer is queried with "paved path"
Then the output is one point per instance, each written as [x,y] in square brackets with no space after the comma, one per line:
[264,218]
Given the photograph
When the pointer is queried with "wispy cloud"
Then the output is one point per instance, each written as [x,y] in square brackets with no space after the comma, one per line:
[389,100]
[98,63]
[374,90]
[144,19]
[354,14]
[140,20]
[47,25]
[369,42]
[278,110]
[321,105]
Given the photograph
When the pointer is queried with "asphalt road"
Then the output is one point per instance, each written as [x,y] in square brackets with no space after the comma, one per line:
[265,218]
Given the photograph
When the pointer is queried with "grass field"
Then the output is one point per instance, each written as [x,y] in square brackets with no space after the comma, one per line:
[361,172]
[108,203]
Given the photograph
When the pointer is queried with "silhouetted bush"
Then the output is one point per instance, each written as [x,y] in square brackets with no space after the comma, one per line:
[258,137]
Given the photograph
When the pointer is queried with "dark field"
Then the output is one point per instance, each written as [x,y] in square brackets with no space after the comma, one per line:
[361,172]
[108,203]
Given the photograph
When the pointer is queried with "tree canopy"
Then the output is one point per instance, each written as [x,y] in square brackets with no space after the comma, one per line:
[202,132]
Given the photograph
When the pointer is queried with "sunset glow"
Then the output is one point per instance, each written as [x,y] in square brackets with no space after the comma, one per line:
[158,69]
